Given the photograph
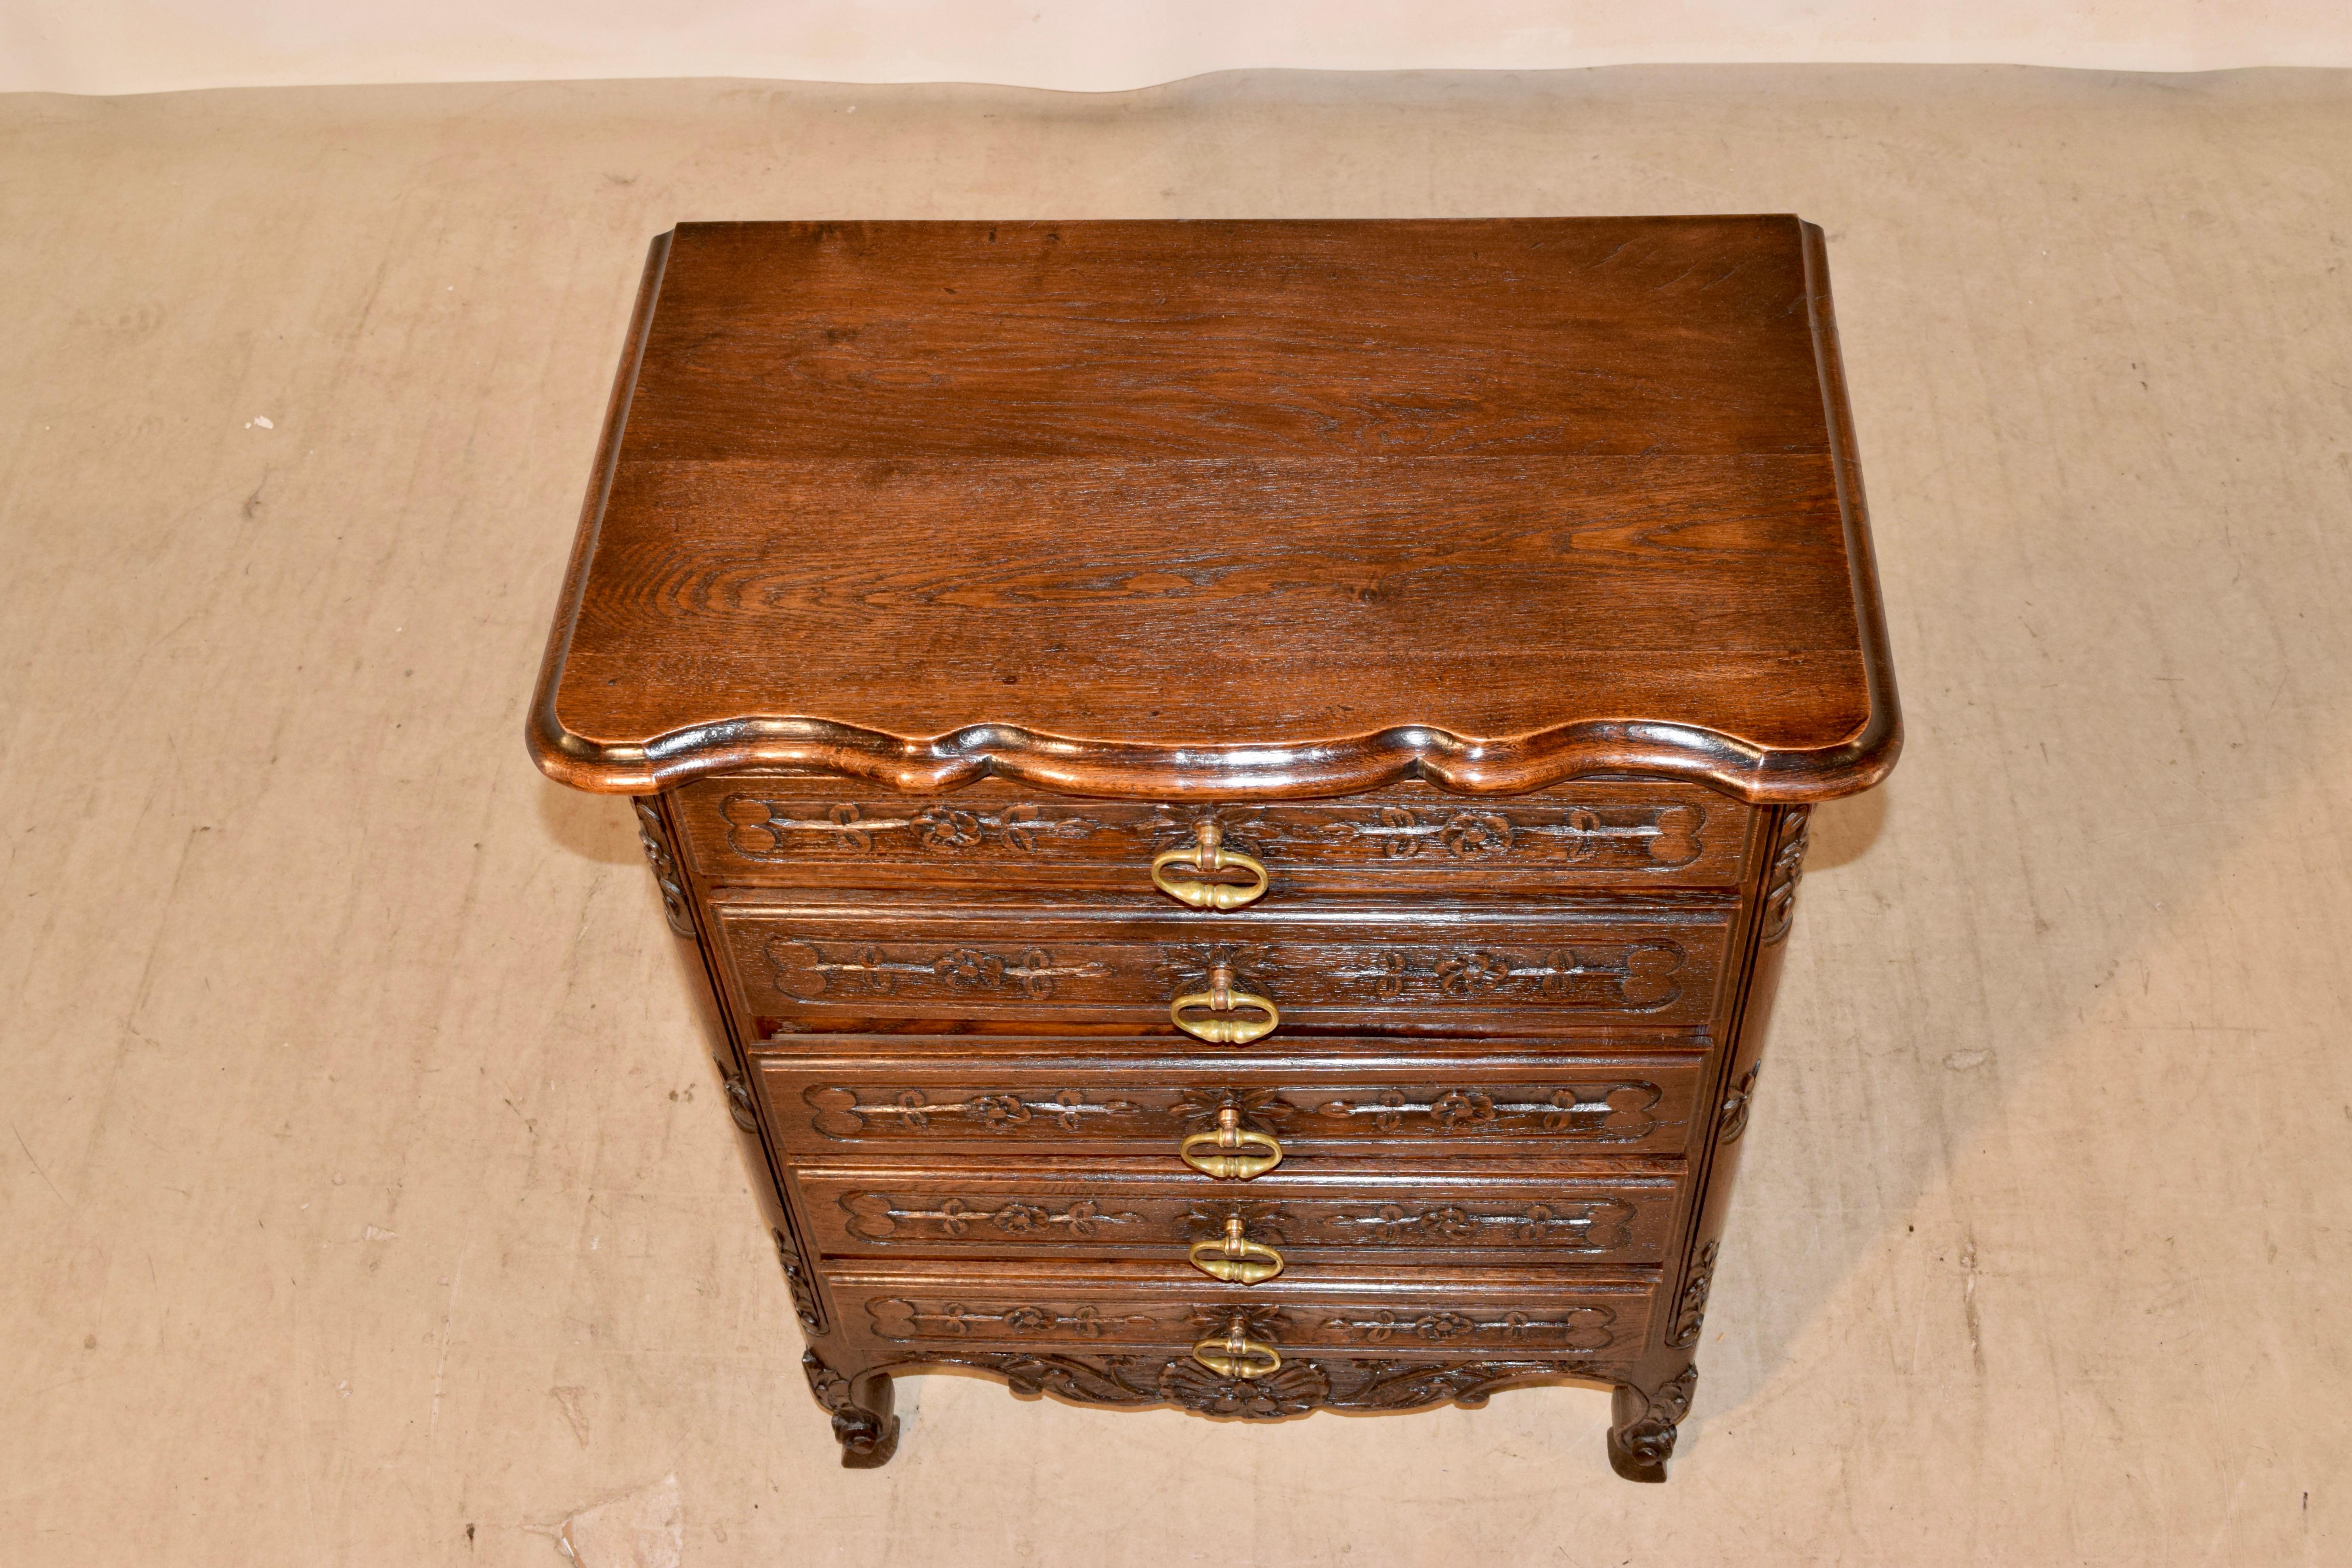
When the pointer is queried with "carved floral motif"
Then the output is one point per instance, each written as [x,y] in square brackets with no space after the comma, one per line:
[879,1217]
[842,1113]
[1601,1225]
[1598,1113]
[807,970]
[1638,977]
[1623,837]
[761,829]
[1735,1106]
[895,1318]
[1581,1328]
[1663,837]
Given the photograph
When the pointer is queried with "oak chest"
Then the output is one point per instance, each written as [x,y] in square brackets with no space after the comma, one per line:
[1239,785]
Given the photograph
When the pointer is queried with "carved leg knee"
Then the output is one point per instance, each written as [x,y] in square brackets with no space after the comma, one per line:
[862,1422]
[1642,1438]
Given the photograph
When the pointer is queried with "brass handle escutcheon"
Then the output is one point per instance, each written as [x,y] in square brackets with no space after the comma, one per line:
[1224,1026]
[1235,1354]
[1235,1259]
[1208,857]
[1227,1164]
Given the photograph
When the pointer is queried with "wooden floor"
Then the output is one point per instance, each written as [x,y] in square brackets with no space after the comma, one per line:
[368,1198]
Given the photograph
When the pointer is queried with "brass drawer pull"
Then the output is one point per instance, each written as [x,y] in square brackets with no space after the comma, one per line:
[1231,1135]
[1224,1026]
[1235,1354]
[1235,1259]
[1207,856]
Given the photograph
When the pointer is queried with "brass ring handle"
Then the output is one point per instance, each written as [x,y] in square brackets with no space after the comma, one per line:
[1226,1164]
[1224,1026]
[1235,1354]
[1235,1259]
[1208,856]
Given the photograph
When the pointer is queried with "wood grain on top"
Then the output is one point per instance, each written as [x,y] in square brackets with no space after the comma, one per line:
[1228,507]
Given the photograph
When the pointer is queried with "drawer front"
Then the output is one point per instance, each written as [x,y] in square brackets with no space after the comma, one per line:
[824,966]
[757,831]
[1312,1215]
[944,1307]
[962,1101]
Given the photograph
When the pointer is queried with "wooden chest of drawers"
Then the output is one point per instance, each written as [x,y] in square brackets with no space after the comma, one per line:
[1240,785]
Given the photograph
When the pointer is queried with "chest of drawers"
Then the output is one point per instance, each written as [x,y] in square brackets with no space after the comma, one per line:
[1239,786]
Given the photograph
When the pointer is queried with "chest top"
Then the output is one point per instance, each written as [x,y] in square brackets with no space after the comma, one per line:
[1224,509]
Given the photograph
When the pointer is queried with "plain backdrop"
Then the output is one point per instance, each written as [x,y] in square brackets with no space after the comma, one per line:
[1095,46]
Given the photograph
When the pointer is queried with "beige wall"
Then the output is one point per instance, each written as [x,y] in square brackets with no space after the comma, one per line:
[1092,45]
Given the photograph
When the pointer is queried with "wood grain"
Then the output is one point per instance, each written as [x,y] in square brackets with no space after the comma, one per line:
[812,963]
[1213,510]
[781,831]
[992,1098]
[1319,1212]
[1489,1310]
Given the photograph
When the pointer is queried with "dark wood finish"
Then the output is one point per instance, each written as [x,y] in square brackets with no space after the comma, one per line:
[823,964]
[970,1096]
[1474,1308]
[937,577]
[1204,481]
[781,831]
[1317,1210]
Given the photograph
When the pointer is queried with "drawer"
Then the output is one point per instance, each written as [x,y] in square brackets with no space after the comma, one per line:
[914,1307]
[768,830]
[1315,1213]
[842,965]
[1123,1098]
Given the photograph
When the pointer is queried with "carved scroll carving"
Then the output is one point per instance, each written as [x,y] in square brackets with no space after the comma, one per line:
[1788,867]
[1300,1386]
[656,839]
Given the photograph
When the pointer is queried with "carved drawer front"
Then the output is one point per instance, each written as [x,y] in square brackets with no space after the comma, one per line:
[959,1097]
[915,1307]
[833,965]
[1319,1216]
[775,830]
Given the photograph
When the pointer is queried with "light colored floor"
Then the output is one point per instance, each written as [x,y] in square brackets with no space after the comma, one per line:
[367,1197]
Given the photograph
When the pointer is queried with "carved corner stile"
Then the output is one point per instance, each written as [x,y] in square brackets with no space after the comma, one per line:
[653,832]
[1787,867]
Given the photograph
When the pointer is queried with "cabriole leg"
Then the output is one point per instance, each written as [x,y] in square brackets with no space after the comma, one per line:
[862,1422]
[1642,1437]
